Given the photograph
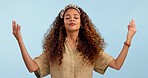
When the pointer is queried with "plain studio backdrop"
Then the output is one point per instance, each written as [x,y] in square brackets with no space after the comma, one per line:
[110,16]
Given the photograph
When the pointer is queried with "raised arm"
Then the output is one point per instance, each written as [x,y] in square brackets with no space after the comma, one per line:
[30,64]
[118,62]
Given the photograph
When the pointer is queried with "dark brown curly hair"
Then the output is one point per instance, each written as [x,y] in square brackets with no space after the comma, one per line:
[90,42]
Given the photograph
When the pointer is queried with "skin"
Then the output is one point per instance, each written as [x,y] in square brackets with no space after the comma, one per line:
[72,24]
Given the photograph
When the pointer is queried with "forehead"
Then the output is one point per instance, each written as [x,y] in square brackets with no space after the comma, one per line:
[71,11]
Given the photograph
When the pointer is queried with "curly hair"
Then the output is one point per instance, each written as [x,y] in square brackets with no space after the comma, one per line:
[90,42]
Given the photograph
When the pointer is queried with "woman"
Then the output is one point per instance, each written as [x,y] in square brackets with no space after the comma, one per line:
[72,47]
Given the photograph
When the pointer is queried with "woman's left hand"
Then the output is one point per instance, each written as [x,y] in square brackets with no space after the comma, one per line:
[131,30]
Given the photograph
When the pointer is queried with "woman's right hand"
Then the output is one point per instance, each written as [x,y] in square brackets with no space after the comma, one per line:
[16,31]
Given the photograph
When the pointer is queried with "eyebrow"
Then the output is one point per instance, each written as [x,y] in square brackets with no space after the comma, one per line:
[69,14]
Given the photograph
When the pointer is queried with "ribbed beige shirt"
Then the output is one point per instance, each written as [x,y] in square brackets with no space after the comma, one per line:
[72,65]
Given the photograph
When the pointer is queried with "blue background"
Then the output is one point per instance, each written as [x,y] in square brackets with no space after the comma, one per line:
[110,16]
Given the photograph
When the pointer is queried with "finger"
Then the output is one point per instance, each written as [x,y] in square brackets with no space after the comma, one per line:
[19,28]
[13,26]
[134,24]
[13,22]
[128,27]
[131,23]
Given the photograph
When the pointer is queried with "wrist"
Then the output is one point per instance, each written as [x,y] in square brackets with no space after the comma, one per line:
[127,44]
[128,40]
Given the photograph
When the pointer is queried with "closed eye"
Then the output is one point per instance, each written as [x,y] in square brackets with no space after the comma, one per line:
[67,18]
[76,17]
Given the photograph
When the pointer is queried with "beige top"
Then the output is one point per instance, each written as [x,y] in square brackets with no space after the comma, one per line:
[72,65]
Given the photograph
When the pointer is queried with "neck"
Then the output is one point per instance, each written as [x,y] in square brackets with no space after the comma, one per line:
[72,36]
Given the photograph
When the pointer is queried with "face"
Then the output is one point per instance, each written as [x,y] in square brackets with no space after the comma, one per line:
[72,20]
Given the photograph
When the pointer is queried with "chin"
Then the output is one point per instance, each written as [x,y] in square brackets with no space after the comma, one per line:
[72,29]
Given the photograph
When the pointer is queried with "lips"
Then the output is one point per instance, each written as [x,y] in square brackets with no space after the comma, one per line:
[72,24]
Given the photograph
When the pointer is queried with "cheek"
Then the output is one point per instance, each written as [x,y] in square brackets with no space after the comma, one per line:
[79,23]
[65,22]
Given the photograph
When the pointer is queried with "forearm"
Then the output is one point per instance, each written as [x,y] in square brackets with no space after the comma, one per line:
[30,64]
[123,54]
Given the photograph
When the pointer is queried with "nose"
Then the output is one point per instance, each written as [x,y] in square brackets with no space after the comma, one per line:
[72,20]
